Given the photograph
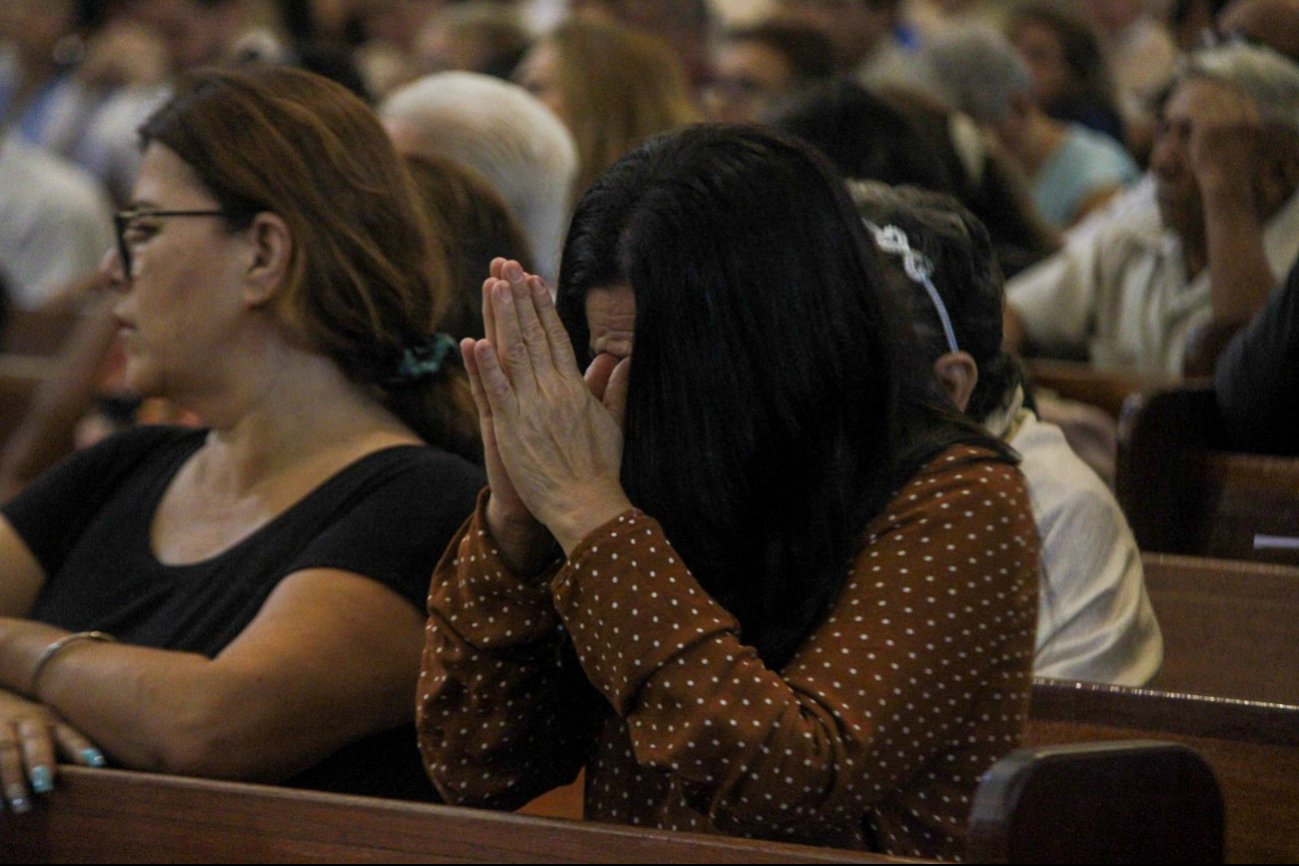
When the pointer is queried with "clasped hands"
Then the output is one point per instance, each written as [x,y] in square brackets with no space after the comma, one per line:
[552,439]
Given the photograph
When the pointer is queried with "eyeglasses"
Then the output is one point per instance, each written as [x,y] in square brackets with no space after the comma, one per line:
[123,222]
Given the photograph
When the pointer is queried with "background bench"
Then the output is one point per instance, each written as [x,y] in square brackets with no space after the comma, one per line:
[20,377]
[1183,493]
[103,816]
[1230,628]
[1252,747]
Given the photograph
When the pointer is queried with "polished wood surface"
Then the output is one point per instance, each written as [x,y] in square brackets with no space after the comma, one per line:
[1127,801]
[37,332]
[20,378]
[1231,629]
[1253,748]
[1183,493]
[104,816]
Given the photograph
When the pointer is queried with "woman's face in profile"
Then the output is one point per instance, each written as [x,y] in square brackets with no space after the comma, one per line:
[182,288]
[538,73]
[1040,47]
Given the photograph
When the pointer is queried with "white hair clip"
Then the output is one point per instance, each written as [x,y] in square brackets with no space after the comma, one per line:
[892,240]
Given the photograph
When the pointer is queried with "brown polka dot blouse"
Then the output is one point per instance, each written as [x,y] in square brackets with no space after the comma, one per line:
[874,735]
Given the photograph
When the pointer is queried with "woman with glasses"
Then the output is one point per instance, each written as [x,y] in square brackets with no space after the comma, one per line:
[751,573]
[243,601]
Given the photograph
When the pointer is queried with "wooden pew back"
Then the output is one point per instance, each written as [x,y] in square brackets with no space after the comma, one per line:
[1078,380]
[1252,747]
[20,377]
[102,816]
[1120,801]
[97,816]
[1183,494]
[37,332]
[1231,629]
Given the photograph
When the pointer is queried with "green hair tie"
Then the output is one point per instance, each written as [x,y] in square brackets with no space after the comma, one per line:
[425,359]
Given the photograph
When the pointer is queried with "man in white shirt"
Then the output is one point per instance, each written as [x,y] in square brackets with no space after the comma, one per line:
[1224,222]
[55,222]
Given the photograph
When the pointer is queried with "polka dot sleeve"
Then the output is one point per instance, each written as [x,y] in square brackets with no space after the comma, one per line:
[503,711]
[878,729]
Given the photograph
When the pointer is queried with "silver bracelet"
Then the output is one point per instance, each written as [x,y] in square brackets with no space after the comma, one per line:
[56,647]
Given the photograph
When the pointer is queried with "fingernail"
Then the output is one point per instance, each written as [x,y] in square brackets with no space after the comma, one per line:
[93,758]
[513,272]
[42,780]
[18,799]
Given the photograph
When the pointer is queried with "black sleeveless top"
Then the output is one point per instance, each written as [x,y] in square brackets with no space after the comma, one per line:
[388,517]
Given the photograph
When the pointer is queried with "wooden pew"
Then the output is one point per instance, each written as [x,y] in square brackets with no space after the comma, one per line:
[20,377]
[37,332]
[1105,389]
[106,816]
[1123,801]
[1183,493]
[1231,629]
[1252,747]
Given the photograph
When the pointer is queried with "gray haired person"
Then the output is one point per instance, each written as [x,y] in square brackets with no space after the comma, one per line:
[502,132]
[1157,292]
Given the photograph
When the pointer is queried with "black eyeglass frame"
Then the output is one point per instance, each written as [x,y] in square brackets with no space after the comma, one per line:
[122,220]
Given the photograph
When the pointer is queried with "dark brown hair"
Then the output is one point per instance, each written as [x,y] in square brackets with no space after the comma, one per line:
[364,283]
[472,225]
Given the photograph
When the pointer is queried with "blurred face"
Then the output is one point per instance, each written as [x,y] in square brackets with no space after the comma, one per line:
[397,22]
[611,320]
[538,73]
[855,27]
[34,26]
[194,33]
[1041,50]
[181,294]
[748,77]
[1176,190]
[439,48]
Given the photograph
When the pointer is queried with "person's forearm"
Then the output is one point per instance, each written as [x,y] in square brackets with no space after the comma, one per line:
[47,432]
[525,546]
[503,712]
[1239,272]
[148,709]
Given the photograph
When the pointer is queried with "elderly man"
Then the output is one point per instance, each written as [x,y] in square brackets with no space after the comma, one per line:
[1137,293]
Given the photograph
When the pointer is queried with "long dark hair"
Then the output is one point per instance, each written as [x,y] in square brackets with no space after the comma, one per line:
[864,135]
[767,419]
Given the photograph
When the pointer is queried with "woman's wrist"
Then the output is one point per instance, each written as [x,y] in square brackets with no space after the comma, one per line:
[524,545]
[22,642]
[589,513]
